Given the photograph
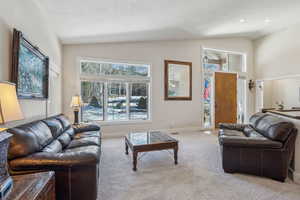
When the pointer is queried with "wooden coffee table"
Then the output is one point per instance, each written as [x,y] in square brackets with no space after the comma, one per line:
[149,141]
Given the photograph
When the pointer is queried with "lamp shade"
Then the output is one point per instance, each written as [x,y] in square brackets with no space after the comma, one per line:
[10,109]
[76,101]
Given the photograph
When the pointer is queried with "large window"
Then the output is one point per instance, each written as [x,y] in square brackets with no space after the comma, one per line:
[114,91]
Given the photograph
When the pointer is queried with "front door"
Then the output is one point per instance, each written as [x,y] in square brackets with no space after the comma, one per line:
[225,98]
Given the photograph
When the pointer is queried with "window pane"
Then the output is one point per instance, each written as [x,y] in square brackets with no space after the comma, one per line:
[241,94]
[215,61]
[207,101]
[119,69]
[235,62]
[92,97]
[116,105]
[90,68]
[137,70]
[138,109]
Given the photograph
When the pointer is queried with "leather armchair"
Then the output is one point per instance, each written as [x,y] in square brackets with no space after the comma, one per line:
[265,147]
[54,145]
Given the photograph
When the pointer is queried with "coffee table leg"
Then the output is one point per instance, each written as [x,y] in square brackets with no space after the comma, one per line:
[175,155]
[126,148]
[135,154]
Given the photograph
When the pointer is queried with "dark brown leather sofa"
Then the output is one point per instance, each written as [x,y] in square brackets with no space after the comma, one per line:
[265,147]
[53,145]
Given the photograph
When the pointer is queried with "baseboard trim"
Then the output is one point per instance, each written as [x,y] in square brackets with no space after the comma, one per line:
[183,129]
[297,177]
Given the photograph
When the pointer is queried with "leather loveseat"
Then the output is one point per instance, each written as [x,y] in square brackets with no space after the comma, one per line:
[265,147]
[54,145]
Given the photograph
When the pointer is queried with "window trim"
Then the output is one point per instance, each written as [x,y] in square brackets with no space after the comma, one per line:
[115,78]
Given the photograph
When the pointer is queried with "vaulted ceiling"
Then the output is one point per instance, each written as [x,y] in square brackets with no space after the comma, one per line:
[87,21]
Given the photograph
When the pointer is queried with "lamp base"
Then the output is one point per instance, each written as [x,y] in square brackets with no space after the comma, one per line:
[76,119]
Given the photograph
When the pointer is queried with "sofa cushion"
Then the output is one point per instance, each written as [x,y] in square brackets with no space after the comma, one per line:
[230,126]
[254,119]
[249,142]
[55,126]
[64,121]
[84,142]
[70,132]
[274,128]
[249,131]
[53,147]
[81,156]
[86,128]
[64,139]
[29,138]
[88,134]
[230,133]
[93,151]
[22,143]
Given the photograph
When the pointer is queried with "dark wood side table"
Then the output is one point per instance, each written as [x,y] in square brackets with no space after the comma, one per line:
[38,186]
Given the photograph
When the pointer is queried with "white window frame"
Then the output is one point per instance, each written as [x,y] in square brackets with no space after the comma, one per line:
[105,79]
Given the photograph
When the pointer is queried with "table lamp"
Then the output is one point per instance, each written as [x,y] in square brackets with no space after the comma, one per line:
[10,110]
[76,103]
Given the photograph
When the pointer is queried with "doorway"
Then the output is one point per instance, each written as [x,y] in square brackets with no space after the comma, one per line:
[223,62]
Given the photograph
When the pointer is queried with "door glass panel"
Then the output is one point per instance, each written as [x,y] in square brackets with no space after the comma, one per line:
[241,101]
[116,101]
[207,101]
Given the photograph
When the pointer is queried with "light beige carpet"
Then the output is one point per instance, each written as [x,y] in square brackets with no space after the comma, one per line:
[198,176]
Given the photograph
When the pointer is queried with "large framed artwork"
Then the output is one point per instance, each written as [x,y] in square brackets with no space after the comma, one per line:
[178,80]
[30,69]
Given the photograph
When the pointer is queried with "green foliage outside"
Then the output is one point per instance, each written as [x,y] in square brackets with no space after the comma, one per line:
[142,104]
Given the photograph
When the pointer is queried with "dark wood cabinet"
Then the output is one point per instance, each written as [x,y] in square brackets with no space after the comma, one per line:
[38,186]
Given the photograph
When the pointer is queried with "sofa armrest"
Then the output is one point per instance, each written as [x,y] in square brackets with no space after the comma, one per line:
[54,161]
[246,142]
[86,128]
[230,126]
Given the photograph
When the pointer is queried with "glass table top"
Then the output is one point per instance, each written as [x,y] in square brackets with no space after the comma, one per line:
[151,137]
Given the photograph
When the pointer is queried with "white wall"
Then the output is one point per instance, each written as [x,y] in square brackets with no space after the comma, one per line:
[285,90]
[27,17]
[165,114]
[268,94]
[277,56]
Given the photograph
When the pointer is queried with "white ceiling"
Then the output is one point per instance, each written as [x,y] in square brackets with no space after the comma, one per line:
[87,21]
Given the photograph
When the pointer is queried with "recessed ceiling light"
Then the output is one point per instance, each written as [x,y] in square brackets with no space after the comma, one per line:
[267,20]
[242,20]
